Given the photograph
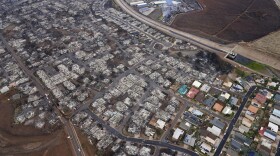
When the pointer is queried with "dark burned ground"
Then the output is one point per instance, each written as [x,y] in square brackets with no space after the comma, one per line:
[19,140]
[231,20]
[210,62]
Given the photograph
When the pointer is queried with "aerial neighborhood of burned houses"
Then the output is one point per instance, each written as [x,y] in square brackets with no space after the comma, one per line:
[124,83]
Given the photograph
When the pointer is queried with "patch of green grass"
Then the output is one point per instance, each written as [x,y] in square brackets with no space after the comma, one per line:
[160,18]
[255,66]
[240,72]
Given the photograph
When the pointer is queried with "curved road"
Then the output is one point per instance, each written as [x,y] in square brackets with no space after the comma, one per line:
[138,140]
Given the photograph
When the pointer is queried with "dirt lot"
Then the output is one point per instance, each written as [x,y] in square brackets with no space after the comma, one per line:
[231,21]
[269,43]
[89,149]
[156,14]
[21,140]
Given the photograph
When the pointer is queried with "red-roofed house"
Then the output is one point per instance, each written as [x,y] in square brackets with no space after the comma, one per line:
[261,131]
[261,98]
[192,93]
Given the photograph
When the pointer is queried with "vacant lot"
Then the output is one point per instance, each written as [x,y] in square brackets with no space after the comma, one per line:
[19,140]
[156,14]
[231,21]
[89,149]
[269,43]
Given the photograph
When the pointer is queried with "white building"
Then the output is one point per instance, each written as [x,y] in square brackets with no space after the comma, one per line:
[271,135]
[4,89]
[160,124]
[196,84]
[273,127]
[205,148]
[274,119]
[227,110]
[214,130]
[178,132]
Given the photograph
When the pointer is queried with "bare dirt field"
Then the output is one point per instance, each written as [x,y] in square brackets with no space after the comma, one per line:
[89,149]
[231,21]
[269,43]
[19,140]
[156,14]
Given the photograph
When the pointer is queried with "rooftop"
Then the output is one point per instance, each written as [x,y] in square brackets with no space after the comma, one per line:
[218,107]
[192,93]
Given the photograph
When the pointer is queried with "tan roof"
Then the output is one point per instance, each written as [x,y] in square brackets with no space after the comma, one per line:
[218,107]
[210,140]
[153,122]
[246,122]
[254,101]
[253,109]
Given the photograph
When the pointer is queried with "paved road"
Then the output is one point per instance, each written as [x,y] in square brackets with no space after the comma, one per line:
[278,149]
[167,132]
[44,91]
[138,140]
[233,121]
[174,122]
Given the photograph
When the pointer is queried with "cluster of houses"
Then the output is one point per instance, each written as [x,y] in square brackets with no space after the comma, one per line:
[162,117]
[93,130]
[150,109]
[88,61]
[131,25]
[198,130]
[131,149]
[104,60]
[165,70]
[269,133]
[103,139]
[81,62]
[210,97]
[34,107]
[120,99]
[258,126]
